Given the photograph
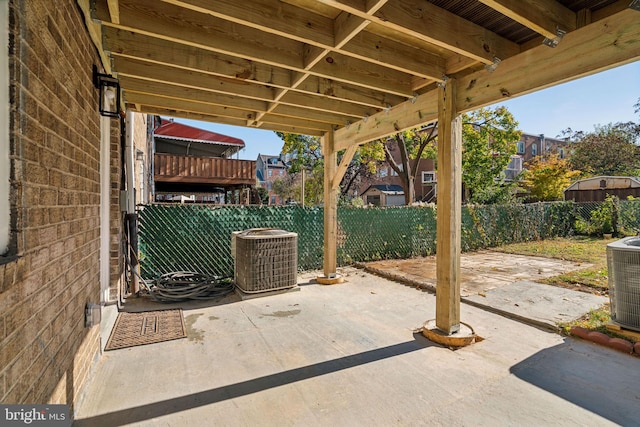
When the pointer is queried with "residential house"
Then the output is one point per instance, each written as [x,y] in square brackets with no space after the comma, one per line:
[270,168]
[425,183]
[527,148]
[384,195]
[196,165]
[531,146]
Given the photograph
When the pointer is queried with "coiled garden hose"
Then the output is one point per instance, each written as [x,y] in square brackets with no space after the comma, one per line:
[186,285]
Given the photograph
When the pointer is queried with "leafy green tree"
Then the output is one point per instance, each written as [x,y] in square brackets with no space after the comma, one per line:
[305,153]
[546,178]
[488,141]
[263,195]
[283,187]
[609,150]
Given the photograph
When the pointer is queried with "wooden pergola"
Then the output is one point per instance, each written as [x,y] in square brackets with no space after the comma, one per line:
[352,71]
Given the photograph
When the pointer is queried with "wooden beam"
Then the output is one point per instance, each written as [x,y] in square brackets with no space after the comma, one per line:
[114,11]
[163,111]
[605,44]
[188,78]
[95,34]
[342,167]
[294,106]
[276,120]
[133,46]
[542,16]
[380,125]
[191,28]
[398,56]
[290,21]
[330,206]
[449,216]
[190,105]
[166,90]
[602,45]
[327,104]
[432,24]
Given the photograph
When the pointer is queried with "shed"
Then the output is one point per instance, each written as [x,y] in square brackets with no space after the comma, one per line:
[384,195]
[597,188]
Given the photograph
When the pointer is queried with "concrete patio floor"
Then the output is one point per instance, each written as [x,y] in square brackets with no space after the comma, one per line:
[348,355]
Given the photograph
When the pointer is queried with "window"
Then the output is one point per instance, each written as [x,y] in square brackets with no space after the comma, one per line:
[561,152]
[273,200]
[515,163]
[373,200]
[281,172]
[5,164]
[383,172]
[270,172]
[520,147]
[428,177]
[534,149]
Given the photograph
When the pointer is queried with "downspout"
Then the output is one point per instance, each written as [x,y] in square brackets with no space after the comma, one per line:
[131,216]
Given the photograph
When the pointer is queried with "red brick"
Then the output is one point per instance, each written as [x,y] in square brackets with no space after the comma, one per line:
[579,332]
[598,337]
[621,345]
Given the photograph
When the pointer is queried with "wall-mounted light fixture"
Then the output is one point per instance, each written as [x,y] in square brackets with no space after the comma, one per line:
[109,86]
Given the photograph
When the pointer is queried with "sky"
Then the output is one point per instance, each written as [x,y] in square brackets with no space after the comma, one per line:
[582,104]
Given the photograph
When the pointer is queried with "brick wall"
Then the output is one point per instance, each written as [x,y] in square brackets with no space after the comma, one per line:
[45,350]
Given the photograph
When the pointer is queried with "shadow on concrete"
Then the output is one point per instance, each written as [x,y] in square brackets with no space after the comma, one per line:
[207,397]
[588,376]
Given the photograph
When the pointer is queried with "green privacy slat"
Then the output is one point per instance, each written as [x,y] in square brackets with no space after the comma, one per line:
[198,238]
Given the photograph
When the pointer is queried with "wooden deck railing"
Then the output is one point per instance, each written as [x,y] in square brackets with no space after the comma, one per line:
[209,170]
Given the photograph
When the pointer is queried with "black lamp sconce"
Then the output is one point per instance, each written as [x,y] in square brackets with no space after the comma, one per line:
[109,87]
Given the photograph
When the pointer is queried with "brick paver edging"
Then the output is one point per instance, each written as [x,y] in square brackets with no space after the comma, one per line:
[604,339]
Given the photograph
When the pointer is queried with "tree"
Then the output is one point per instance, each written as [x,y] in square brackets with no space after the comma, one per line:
[283,187]
[609,150]
[413,145]
[305,153]
[546,178]
[263,195]
[488,141]
[363,165]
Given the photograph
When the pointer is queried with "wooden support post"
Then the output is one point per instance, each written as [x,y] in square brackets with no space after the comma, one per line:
[449,217]
[330,205]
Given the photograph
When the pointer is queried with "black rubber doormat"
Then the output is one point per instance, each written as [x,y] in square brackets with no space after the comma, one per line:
[148,327]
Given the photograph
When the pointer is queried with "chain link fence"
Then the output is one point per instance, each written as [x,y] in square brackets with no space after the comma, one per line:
[629,217]
[198,237]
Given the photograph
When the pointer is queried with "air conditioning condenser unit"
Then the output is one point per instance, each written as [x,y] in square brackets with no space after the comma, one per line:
[264,259]
[623,262]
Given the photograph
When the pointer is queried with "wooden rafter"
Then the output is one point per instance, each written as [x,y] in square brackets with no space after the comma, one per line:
[581,53]
[332,63]
[546,17]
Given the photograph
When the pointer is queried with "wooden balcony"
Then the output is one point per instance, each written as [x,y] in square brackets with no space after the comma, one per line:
[204,170]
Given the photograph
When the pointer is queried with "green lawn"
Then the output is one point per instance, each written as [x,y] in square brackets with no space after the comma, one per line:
[578,249]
